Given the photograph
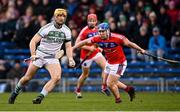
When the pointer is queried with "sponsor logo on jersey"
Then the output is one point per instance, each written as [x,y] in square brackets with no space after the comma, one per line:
[55,37]
[107,44]
[92,34]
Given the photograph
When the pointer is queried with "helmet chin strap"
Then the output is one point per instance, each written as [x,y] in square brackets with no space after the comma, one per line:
[91,27]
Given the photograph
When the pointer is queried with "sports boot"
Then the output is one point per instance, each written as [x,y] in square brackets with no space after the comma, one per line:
[12,98]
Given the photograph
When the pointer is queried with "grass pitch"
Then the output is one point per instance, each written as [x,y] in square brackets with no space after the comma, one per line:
[95,101]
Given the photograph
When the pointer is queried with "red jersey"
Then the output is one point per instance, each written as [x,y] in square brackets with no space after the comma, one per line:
[112,48]
[85,34]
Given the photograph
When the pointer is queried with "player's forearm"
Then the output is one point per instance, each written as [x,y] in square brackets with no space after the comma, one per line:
[69,50]
[80,44]
[135,46]
[33,43]
[69,53]
[86,47]
[32,47]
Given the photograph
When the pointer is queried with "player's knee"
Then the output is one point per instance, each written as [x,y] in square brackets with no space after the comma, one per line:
[85,74]
[56,79]
[109,83]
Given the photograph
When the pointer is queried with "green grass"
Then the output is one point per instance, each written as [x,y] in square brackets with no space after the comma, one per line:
[149,101]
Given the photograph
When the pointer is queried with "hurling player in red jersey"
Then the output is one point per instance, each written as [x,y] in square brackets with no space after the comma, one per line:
[87,32]
[112,44]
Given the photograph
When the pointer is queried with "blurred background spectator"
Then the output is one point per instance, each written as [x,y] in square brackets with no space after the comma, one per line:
[175,40]
[20,19]
[14,74]
[142,39]
[157,43]
[164,22]
[16,71]
[4,68]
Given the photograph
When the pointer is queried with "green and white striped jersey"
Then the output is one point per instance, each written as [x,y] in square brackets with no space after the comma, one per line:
[53,38]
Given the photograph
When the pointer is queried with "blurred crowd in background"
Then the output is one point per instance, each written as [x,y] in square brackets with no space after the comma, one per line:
[21,19]
[152,24]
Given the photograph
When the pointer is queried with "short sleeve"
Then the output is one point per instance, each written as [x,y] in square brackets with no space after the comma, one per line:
[68,35]
[82,34]
[120,39]
[43,31]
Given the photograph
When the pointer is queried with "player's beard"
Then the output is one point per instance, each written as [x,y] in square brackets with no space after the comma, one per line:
[91,26]
[58,25]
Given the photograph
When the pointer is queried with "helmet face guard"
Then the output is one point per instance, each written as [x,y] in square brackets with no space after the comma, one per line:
[103,30]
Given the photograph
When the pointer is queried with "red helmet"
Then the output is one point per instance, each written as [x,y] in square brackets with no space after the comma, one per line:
[92,16]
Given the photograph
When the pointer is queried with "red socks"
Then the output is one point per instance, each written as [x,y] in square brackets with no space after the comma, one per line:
[104,87]
[78,90]
[127,89]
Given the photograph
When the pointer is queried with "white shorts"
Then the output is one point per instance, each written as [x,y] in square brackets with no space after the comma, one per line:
[43,62]
[115,69]
[87,63]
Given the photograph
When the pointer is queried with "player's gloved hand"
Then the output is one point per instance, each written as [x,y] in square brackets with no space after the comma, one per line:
[33,57]
[72,62]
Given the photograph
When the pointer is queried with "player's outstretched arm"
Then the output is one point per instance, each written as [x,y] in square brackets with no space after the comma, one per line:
[82,43]
[133,45]
[83,47]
